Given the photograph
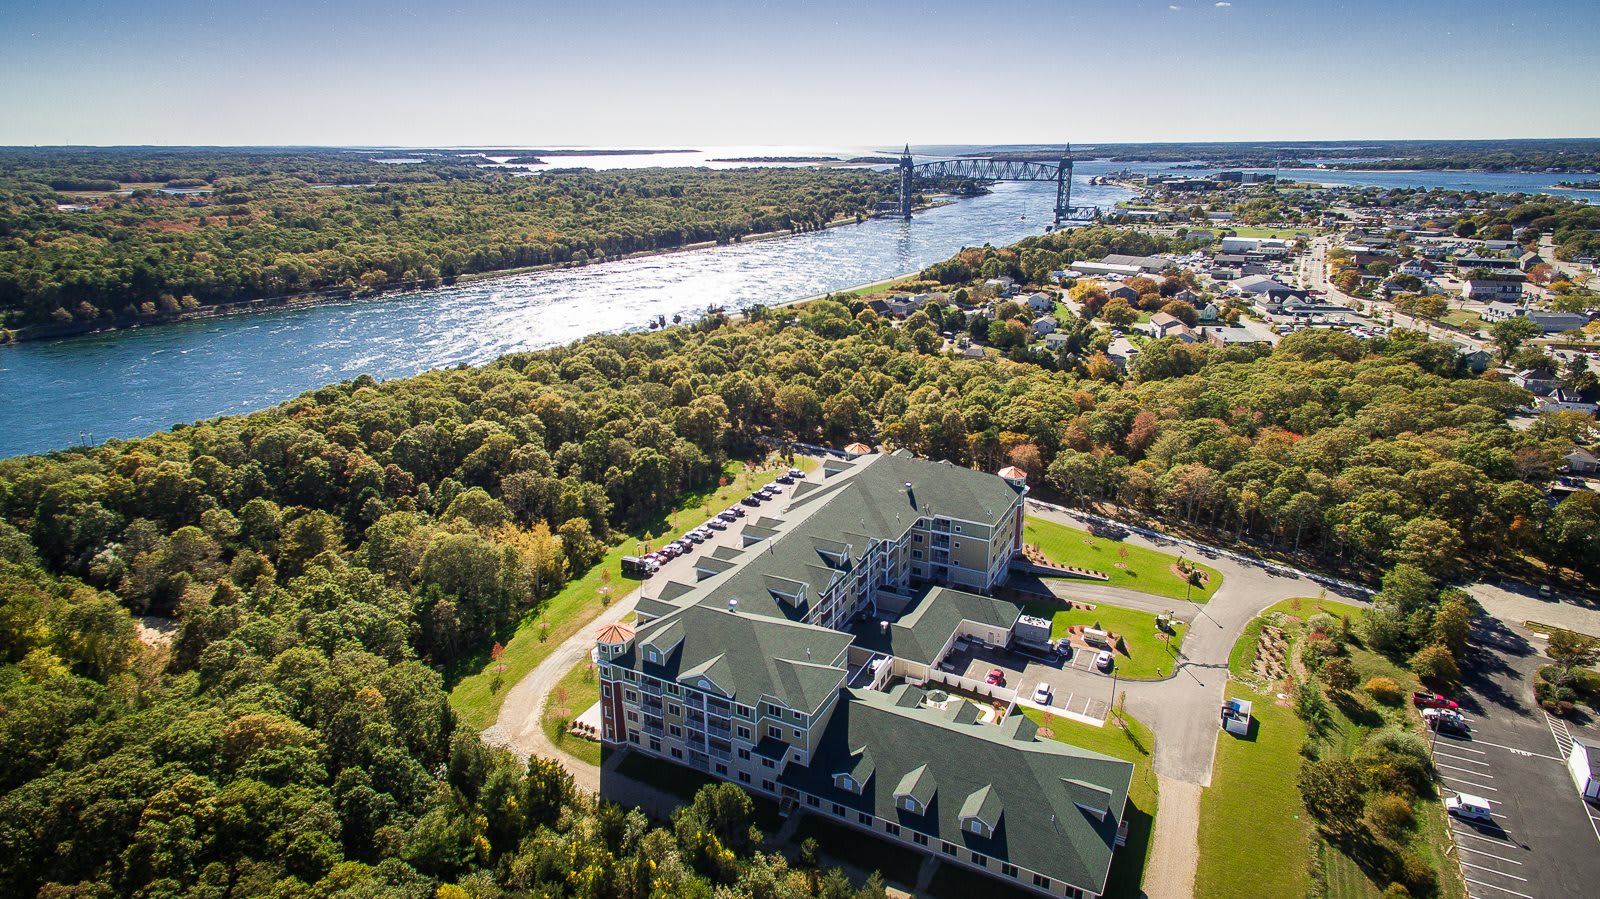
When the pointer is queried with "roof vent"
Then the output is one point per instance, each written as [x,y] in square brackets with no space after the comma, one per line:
[733,605]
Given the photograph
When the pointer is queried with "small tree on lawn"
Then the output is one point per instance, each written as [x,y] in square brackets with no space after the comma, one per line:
[1340,674]
[544,630]
[1571,650]
[499,667]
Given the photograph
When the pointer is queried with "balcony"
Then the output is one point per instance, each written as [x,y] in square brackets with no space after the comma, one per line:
[694,701]
[721,754]
[651,688]
[724,733]
[653,705]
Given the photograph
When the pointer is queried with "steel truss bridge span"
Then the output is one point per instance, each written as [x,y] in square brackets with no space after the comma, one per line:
[985,169]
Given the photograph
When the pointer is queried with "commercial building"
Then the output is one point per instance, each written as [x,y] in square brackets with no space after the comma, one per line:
[805,664]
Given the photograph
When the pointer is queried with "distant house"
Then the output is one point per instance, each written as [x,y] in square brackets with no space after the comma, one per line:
[1273,292]
[1529,261]
[1492,263]
[1477,360]
[902,307]
[1224,336]
[880,307]
[1106,268]
[1125,292]
[1151,265]
[1187,296]
[1556,322]
[1581,461]
[1417,268]
[1163,324]
[1500,310]
[1492,288]
[1041,302]
[1043,325]
[1056,340]
[1210,313]
[1565,399]
[1121,351]
[1538,381]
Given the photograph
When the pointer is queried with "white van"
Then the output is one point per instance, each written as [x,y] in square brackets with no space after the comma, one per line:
[1469,807]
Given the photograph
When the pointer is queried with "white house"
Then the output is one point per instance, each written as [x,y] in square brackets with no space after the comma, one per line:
[1043,325]
[1041,302]
[1583,763]
[1492,289]
[1563,399]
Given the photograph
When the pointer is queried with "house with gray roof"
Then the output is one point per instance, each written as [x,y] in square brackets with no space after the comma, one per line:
[808,663]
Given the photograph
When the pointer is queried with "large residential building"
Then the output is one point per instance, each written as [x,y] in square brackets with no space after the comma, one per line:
[808,664]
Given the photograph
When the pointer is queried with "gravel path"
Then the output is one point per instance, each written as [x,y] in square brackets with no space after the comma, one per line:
[1175,848]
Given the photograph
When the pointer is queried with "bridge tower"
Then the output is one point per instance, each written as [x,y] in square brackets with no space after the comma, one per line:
[905,183]
[1064,186]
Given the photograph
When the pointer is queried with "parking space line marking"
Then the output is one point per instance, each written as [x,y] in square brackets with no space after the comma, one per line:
[1490,854]
[1519,751]
[1493,887]
[1493,871]
[1460,758]
[1453,744]
[1465,770]
[1475,785]
[1462,833]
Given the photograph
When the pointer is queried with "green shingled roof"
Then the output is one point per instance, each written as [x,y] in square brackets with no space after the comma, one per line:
[1040,795]
[746,656]
[926,627]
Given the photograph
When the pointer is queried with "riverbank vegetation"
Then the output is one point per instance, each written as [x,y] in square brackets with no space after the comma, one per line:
[97,241]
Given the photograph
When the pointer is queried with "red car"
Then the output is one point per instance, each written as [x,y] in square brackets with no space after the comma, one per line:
[1433,701]
[995,677]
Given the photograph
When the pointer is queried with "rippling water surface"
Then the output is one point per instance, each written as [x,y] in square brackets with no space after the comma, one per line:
[57,393]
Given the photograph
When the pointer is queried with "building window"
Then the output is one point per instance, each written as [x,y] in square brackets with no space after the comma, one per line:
[675,730]
[864,818]
[674,708]
[744,732]
[1042,883]
[633,716]
[916,554]
[799,734]
[768,785]
[677,753]
[722,769]
[981,861]
[744,755]
[743,711]
[774,732]
[798,716]
[917,537]
[813,801]
[891,828]
[743,777]
[1008,870]
[958,530]
[768,763]
[634,739]
[655,745]
[838,809]
[632,696]
[919,839]
[949,848]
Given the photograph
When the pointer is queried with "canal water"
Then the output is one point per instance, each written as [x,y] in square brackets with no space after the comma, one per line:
[55,394]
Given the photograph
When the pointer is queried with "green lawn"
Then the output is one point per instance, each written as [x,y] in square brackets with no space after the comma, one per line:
[1464,319]
[1140,657]
[1254,835]
[1252,811]
[477,697]
[1148,570]
[1134,744]
[576,691]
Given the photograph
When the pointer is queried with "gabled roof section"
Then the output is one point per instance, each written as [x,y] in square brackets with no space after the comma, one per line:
[923,631]
[709,675]
[918,784]
[672,590]
[1038,796]
[985,805]
[664,639]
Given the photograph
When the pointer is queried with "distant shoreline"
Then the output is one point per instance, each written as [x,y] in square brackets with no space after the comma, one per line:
[307,299]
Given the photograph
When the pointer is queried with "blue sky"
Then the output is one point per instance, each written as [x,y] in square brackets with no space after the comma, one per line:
[669,72]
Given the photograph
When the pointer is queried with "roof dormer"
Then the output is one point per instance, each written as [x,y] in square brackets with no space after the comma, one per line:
[980,813]
[915,791]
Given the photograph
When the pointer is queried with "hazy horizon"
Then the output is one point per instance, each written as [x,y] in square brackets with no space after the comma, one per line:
[621,73]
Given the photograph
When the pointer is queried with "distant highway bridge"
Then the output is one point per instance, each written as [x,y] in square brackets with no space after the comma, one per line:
[983,169]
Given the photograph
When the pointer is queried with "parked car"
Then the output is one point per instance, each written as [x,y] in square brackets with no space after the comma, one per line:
[1433,701]
[751,500]
[796,473]
[696,536]
[727,515]
[995,677]
[1041,693]
[1469,807]
[1446,721]
[1064,647]
[736,512]
[784,479]
[717,524]
[774,488]
[1104,660]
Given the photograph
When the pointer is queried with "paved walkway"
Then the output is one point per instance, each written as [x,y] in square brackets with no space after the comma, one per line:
[1175,847]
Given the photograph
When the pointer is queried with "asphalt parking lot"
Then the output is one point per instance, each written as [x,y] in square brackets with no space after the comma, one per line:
[1073,688]
[1544,840]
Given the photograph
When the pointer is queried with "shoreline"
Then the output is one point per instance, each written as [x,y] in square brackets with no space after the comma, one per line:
[334,296]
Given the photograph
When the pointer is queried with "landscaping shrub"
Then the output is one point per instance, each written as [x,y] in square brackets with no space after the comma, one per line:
[1384,690]
[1436,665]
[1340,674]
[1318,649]
[1416,874]
[1395,760]
[1389,815]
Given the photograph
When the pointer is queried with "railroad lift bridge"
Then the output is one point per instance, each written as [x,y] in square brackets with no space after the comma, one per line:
[986,169]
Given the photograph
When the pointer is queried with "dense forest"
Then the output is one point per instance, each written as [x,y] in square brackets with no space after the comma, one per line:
[271,225]
[329,563]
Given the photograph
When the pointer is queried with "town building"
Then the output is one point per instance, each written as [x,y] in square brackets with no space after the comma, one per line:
[1497,288]
[805,665]
[1556,322]
[1492,263]
[1164,324]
